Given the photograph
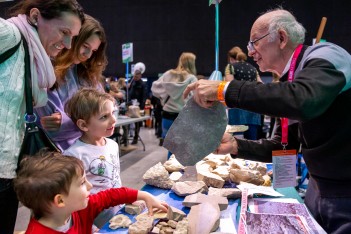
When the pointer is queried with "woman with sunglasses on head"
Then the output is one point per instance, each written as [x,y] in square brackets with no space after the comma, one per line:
[48,27]
[81,66]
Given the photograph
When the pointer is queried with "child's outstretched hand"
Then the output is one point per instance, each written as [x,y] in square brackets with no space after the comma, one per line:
[152,202]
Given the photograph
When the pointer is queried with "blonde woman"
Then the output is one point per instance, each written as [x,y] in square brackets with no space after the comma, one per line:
[170,86]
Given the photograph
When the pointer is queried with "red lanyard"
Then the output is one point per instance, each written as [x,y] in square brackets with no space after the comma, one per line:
[285,121]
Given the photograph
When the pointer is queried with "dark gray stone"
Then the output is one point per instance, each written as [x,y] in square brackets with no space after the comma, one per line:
[196,132]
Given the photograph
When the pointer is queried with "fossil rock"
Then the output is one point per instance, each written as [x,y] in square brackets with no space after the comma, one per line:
[119,221]
[173,165]
[203,127]
[158,176]
[175,176]
[198,198]
[175,214]
[245,175]
[204,217]
[143,225]
[190,174]
[189,187]
[225,192]
[210,179]
[222,171]
[135,208]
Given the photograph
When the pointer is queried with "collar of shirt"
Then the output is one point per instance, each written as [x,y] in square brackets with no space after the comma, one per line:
[287,66]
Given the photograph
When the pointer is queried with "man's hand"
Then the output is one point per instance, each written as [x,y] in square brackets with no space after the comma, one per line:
[205,92]
[228,145]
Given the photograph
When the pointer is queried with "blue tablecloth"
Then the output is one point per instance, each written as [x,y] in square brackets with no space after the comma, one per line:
[176,201]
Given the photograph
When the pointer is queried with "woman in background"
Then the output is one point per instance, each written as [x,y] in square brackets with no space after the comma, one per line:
[82,66]
[239,69]
[170,86]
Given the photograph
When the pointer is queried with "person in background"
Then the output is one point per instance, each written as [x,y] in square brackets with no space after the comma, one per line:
[170,86]
[82,66]
[157,109]
[316,97]
[93,113]
[137,90]
[48,27]
[117,90]
[239,69]
[56,190]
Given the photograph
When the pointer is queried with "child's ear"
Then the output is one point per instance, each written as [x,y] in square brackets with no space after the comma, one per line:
[82,125]
[58,201]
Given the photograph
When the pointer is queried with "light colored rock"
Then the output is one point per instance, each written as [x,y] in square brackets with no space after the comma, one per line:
[155,230]
[246,175]
[158,176]
[182,227]
[175,214]
[203,217]
[225,192]
[210,179]
[119,221]
[189,187]
[190,174]
[258,166]
[172,223]
[222,171]
[143,225]
[173,165]
[175,176]
[198,198]
[135,208]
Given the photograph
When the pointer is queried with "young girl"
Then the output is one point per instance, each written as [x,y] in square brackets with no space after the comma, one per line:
[93,113]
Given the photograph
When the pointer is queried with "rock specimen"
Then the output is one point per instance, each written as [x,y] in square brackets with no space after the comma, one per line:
[135,208]
[175,176]
[119,221]
[190,174]
[173,165]
[158,176]
[143,225]
[175,214]
[203,127]
[204,218]
[198,198]
[189,187]
[210,179]
[246,175]
[225,192]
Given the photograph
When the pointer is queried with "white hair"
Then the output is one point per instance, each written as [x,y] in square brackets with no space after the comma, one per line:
[139,67]
[283,19]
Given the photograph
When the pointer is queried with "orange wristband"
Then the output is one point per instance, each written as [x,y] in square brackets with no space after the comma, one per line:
[220,89]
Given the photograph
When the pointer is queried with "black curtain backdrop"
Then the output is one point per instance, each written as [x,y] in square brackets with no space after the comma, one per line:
[162,29]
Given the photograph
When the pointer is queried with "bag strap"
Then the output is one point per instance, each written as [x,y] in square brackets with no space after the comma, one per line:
[9,52]
[29,116]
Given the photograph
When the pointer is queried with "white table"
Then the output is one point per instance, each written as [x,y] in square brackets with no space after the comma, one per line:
[124,120]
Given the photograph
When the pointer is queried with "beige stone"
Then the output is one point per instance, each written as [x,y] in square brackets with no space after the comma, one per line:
[199,198]
[158,176]
[189,187]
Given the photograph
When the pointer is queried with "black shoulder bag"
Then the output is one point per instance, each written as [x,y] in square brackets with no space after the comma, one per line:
[35,138]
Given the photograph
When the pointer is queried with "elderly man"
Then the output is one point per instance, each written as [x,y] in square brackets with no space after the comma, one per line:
[315,90]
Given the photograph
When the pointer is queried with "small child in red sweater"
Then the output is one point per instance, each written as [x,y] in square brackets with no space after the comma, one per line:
[56,190]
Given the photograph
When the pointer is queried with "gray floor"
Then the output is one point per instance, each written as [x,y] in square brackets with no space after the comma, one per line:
[133,166]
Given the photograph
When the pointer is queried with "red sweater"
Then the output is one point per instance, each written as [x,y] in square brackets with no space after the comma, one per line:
[83,219]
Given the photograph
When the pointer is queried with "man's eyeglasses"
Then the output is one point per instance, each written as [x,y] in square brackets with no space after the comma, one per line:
[251,44]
